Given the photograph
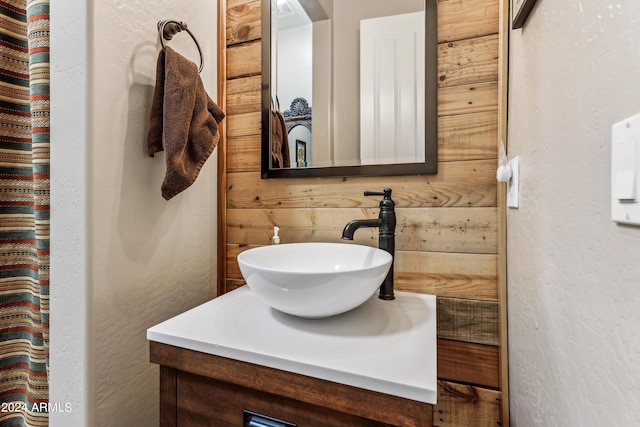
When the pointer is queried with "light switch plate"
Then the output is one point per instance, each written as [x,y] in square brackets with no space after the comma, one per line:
[513,186]
[625,171]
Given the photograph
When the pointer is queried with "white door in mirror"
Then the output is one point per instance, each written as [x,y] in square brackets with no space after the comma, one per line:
[625,168]
[392,112]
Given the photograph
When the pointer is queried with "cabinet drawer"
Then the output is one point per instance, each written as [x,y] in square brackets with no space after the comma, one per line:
[203,402]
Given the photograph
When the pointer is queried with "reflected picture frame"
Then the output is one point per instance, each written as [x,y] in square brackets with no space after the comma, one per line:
[301,153]
[520,10]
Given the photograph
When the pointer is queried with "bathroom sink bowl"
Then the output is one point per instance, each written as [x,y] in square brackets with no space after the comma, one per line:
[314,280]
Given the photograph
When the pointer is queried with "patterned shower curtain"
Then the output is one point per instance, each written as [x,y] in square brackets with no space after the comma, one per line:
[24,212]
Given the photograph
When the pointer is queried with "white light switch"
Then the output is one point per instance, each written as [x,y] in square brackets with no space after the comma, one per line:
[626,186]
[625,165]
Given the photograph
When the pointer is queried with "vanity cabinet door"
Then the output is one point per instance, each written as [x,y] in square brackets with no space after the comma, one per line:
[198,389]
[203,402]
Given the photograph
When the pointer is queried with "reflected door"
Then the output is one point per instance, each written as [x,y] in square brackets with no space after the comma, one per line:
[392,76]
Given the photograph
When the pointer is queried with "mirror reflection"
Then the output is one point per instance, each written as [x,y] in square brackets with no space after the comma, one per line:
[350,85]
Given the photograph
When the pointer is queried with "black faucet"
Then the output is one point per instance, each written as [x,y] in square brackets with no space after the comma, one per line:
[386,221]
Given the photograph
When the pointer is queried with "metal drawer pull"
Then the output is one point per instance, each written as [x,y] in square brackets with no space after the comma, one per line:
[251,419]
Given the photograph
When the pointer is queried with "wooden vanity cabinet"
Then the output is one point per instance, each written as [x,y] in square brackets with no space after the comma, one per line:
[198,389]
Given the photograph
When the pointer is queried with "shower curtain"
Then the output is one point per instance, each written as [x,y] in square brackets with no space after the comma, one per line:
[24,212]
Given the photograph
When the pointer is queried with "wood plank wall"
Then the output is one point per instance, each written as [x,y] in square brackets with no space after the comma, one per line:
[448,237]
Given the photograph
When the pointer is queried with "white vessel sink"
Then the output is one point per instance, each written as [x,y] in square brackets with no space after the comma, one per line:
[314,280]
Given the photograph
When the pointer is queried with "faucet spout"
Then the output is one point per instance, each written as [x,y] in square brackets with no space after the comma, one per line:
[386,222]
[352,226]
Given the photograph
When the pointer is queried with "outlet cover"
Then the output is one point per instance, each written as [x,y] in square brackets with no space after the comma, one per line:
[513,196]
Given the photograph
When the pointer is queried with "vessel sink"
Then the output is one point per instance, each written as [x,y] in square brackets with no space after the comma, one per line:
[314,280]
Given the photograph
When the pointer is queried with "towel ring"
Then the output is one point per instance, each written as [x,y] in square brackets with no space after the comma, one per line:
[169,28]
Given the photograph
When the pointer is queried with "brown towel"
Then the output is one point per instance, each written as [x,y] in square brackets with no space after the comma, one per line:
[184,121]
[280,157]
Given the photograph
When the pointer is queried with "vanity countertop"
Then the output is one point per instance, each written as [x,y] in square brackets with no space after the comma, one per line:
[384,346]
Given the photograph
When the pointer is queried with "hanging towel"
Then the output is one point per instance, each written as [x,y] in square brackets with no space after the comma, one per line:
[184,121]
[280,156]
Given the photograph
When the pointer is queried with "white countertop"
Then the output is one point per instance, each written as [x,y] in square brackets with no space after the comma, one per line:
[385,346]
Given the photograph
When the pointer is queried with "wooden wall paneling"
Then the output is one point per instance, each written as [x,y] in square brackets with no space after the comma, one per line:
[255,226]
[243,154]
[451,233]
[233,271]
[453,275]
[464,19]
[428,230]
[469,363]
[234,284]
[244,122]
[462,184]
[231,4]
[243,18]
[466,405]
[243,95]
[468,320]
[244,60]
[247,124]
[457,229]
[467,136]
[472,98]
[468,61]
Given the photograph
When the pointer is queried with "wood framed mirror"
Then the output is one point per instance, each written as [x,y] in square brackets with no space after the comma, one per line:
[329,85]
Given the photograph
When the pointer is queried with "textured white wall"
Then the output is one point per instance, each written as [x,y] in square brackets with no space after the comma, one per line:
[139,258]
[574,275]
[69,380]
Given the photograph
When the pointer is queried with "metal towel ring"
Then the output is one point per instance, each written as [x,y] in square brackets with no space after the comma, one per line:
[169,28]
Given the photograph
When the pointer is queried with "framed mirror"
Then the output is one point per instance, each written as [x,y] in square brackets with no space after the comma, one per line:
[349,88]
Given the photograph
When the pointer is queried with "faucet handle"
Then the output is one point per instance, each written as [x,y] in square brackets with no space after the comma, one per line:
[386,203]
[386,193]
